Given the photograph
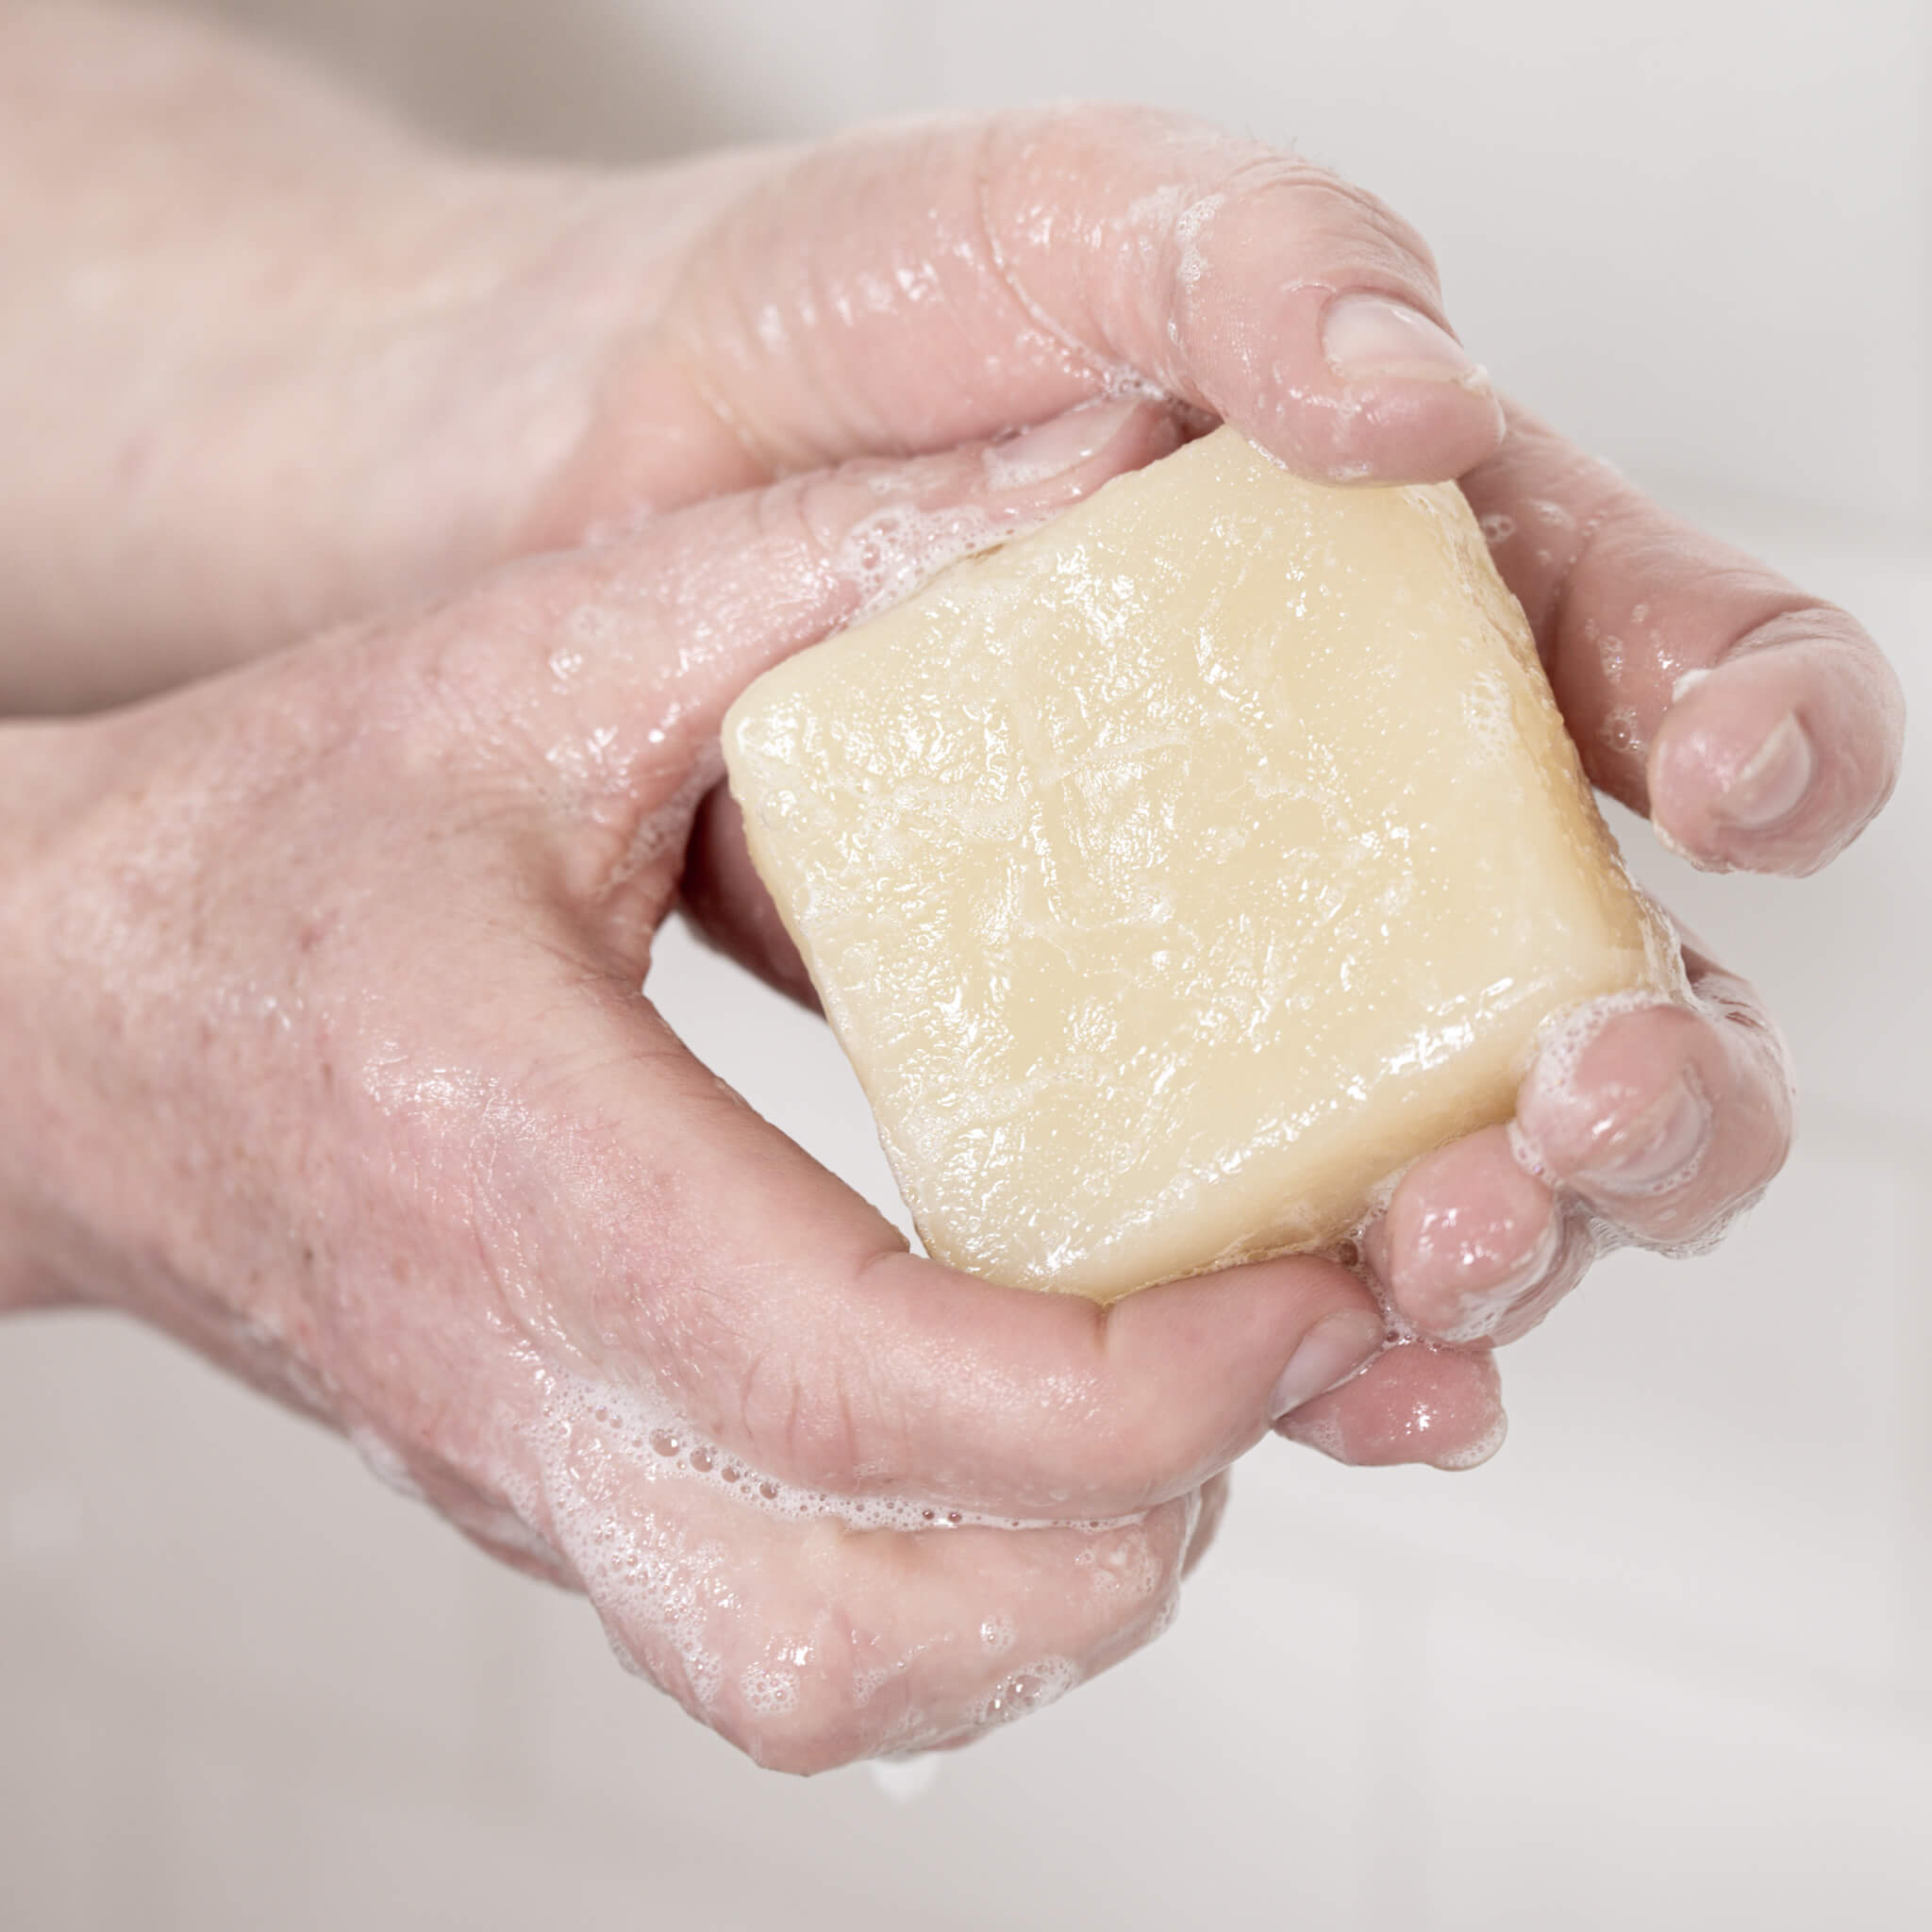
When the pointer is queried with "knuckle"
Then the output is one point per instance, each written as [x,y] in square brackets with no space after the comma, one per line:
[453,699]
[805,519]
[1350,220]
[810,1422]
[803,530]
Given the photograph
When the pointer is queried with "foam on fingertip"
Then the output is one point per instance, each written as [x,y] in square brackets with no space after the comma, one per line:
[1473,1455]
[893,553]
[1558,1056]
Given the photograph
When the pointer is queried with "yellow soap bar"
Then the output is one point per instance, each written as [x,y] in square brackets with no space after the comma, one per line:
[1176,873]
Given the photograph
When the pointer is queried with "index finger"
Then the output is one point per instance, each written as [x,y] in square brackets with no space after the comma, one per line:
[1757,726]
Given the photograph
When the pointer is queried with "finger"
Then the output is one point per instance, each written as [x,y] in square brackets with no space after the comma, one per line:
[1665,1122]
[914,289]
[1474,1248]
[1414,1403]
[608,669]
[1757,726]
[1668,1121]
[601,675]
[809,1644]
[728,904]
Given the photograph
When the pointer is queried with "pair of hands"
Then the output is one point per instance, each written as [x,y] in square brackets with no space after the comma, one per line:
[322,1047]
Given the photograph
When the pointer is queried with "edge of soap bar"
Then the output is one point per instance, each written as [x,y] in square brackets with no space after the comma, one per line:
[1536,722]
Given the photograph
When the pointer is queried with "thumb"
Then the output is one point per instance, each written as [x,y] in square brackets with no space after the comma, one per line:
[758,1301]
[602,674]
[1001,268]
[652,633]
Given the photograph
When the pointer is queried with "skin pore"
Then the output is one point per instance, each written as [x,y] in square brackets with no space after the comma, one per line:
[421,513]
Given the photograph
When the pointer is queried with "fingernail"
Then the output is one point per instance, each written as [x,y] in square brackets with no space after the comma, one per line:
[1483,1310]
[1371,336]
[1771,786]
[1329,1354]
[1659,1152]
[1052,448]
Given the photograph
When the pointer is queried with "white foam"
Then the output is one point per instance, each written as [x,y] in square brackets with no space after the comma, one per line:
[383,1462]
[1559,1051]
[1126,1566]
[1610,1235]
[1488,715]
[1188,227]
[1482,1315]
[1560,1043]
[1672,843]
[1042,1682]
[1165,1616]
[768,1692]
[671,1597]
[1322,1432]
[1121,380]
[1475,1454]
[893,553]
[650,1435]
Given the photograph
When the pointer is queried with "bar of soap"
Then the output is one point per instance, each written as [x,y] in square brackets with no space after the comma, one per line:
[1176,873]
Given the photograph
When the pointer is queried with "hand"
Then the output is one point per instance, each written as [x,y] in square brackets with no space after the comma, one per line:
[1757,727]
[339,1069]
[705,327]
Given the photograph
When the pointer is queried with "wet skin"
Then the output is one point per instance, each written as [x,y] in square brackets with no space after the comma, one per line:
[323,1048]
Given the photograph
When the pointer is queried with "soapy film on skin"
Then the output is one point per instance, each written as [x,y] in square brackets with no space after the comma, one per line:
[671,1607]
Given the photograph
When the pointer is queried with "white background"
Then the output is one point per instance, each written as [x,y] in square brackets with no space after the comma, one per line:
[1660,1665]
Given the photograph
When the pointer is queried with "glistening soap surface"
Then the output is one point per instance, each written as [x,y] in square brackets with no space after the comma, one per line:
[1176,873]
